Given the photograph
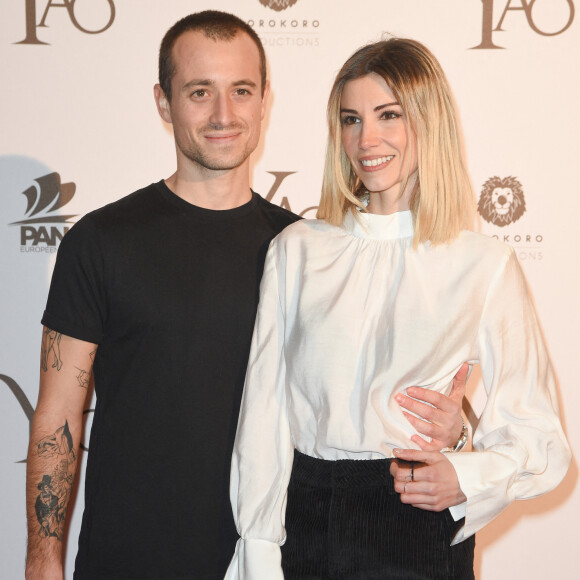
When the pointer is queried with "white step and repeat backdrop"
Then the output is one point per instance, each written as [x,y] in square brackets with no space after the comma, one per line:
[79,129]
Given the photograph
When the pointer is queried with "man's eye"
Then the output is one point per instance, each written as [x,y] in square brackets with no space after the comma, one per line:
[242,92]
[199,93]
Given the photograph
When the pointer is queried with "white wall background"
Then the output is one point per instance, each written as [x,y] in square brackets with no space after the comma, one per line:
[82,105]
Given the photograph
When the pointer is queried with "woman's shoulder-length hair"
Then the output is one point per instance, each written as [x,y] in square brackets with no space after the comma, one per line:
[442,199]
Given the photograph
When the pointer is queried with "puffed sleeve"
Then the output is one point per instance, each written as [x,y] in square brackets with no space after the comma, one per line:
[263,449]
[520,450]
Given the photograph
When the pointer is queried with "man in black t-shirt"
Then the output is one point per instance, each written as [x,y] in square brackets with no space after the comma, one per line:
[156,295]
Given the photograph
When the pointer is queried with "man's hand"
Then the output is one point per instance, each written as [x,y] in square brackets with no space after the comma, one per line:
[429,482]
[441,415]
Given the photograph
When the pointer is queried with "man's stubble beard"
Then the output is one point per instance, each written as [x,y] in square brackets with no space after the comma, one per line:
[219,162]
[212,163]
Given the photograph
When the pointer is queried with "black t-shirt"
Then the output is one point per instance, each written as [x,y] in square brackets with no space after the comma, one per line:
[169,292]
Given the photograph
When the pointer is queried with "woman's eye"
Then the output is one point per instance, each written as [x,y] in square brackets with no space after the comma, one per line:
[390,115]
[349,120]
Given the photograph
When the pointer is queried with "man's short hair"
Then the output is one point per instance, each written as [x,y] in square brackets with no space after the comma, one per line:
[214,24]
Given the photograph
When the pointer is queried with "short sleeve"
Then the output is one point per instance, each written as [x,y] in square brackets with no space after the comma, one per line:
[76,299]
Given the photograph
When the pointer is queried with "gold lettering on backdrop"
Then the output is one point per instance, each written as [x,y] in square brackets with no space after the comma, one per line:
[279,176]
[527,6]
[30,11]
[31,25]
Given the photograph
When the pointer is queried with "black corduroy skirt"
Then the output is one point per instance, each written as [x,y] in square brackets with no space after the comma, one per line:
[345,521]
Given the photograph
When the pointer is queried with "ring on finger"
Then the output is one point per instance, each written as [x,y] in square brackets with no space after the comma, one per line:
[405,487]
[412,471]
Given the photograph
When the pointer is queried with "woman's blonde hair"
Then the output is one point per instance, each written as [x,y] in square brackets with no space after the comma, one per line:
[442,198]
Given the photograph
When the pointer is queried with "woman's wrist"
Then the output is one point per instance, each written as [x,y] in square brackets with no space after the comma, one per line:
[461,442]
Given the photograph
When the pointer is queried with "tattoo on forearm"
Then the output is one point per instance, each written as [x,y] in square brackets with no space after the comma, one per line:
[50,345]
[55,488]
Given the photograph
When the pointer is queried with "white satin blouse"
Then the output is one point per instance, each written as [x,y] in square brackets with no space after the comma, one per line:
[348,317]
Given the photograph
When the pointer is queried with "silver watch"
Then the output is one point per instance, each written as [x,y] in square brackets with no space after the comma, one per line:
[461,441]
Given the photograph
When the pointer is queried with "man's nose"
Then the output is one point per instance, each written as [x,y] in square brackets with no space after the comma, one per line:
[222,112]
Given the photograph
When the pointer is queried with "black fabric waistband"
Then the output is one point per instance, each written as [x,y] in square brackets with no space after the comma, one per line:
[342,472]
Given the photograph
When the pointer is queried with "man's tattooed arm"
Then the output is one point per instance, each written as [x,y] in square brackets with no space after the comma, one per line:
[55,434]
[55,488]
[84,376]
[50,349]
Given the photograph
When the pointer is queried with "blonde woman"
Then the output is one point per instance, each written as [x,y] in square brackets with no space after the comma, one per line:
[387,289]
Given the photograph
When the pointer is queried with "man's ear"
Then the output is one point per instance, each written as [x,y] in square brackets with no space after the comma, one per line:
[265,97]
[162,103]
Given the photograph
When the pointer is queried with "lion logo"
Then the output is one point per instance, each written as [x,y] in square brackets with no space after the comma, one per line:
[501,201]
[278,5]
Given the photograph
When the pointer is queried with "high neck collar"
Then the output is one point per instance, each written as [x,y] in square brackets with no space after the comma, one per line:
[380,227]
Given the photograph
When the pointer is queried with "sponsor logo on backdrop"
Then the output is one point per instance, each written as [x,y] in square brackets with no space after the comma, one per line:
[288,30]
[32,24]
[279,177]
[502,203]
[278,5]
[43,228]
[523,9]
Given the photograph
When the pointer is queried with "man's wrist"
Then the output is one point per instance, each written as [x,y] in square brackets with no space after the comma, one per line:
[44,572]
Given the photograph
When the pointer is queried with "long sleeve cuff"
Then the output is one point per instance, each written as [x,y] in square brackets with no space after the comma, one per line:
[255,560]
[457,511]
[486,479]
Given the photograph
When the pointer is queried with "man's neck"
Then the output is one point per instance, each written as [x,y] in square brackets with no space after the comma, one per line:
[217,190]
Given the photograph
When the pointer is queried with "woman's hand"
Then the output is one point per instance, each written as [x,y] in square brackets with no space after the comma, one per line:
[426,479]
[440,415]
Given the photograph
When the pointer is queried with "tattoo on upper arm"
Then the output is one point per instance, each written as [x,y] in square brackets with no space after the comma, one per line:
[83,376]
[55,488]
[50,345]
